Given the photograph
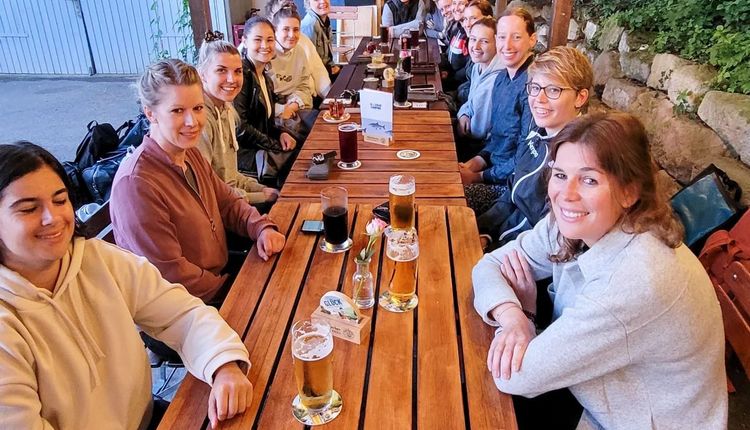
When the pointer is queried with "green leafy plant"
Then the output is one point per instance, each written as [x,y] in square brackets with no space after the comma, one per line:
[683,106]
[184,26]
[157,46]
[706,31]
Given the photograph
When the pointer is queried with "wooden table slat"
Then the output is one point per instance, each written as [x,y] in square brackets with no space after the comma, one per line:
[439,396]
[476,335]
[338,176]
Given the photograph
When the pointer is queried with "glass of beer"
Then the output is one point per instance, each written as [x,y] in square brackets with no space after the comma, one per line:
[401,190]
[402,248]
[334,202]
[348,146]
[312,352]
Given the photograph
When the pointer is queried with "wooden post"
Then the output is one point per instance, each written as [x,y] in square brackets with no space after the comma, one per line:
[200,18]
[500,6]
[561,12]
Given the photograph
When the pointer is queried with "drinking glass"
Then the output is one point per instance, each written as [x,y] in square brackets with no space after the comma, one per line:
[402,249]
[401,190]
[384,34]
[312,353]
[401,90]
[334,202]
[348,146]
[414,38]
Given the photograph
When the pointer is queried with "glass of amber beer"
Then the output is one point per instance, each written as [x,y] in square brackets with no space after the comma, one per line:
[312,352]
[402,249]
[401,189]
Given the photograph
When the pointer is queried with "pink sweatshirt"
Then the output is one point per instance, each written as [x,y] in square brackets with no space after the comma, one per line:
[156,214]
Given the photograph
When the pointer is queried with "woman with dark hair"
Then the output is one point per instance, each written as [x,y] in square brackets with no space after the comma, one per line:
[69,350]
[265,150]
[636,330]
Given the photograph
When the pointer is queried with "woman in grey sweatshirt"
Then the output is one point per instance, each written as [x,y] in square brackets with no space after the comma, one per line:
[636,331]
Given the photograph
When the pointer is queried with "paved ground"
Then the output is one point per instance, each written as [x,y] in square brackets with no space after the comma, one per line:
[53,112]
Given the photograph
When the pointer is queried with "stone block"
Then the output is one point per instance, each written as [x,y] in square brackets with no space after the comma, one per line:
[632,41]
[610,35]
[590,30]
[667,183]
[729,116]
[574,31]
[679,145]
[738,172]
[694,81]
[636,65]
[606,66]
[621,93]
[662,68]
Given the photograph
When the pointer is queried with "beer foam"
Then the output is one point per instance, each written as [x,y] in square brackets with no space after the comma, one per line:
[401,189]
[312,346]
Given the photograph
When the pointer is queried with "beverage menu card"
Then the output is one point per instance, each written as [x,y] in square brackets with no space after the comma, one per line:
[376,108]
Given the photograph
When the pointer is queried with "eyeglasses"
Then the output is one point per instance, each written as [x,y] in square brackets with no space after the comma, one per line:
[552,92]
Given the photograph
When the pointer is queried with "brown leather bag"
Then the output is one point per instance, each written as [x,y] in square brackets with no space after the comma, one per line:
[726,257]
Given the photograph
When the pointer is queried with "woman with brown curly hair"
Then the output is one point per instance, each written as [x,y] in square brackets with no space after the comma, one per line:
[636,332]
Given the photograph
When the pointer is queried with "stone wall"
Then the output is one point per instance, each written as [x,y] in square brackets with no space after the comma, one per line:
[690,125]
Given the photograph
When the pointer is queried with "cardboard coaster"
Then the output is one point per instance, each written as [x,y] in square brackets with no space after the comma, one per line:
[408,154]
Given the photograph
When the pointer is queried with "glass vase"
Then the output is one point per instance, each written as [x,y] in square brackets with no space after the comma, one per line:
[363,293]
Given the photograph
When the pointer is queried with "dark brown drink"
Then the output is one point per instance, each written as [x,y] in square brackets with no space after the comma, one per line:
[414,38]
[384,34]
[335,224]
[401,89]
[348,142]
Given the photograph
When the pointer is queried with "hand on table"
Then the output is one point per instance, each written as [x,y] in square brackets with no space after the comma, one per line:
[517,272]
[271,194]
[509,345]
[231,393]
[287,141]
[269,243]
[464,125]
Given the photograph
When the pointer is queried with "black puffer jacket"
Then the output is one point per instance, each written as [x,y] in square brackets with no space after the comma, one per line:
[525,202]
[255,129]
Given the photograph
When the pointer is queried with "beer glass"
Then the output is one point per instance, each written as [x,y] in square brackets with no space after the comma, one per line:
[402,248]
[401,90]
[348,146]
[312,353]
[334,202]
[384,30]
[401,190]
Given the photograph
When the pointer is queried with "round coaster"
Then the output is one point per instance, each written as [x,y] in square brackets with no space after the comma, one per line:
[349,166]
[406,104]
[328,118]
[335,249]
[313,418]
[408,154]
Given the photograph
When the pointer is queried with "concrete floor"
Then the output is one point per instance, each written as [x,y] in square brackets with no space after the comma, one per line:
[53,112]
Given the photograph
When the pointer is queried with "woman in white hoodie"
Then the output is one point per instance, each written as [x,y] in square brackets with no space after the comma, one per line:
[70,355]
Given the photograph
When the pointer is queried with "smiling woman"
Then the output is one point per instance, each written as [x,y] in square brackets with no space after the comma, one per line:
[636,332]
[68,310]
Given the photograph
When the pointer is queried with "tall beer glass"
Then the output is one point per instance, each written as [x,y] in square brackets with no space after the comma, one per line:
[402,248]
[334,202]
[312,352]
[401,189]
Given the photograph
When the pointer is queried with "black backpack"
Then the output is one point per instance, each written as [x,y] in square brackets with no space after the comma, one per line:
[98,157]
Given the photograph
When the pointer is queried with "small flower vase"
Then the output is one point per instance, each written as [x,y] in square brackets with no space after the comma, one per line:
[363,294]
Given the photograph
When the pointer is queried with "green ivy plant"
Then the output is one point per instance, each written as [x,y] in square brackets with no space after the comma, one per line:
[183,26]
[706,31]
[157,46]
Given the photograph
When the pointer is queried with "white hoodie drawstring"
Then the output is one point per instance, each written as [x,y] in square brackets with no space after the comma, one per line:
[90,350]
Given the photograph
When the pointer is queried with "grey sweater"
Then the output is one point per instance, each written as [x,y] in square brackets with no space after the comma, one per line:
[636,335]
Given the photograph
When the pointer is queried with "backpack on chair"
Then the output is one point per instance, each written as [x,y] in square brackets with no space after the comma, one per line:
[726,257]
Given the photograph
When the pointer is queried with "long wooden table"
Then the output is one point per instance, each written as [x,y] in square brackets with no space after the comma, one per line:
[352,74]
[422,369]
[435,171]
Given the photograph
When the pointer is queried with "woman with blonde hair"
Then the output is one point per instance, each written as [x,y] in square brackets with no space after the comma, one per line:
[636,330]
[167,203]
[220,69]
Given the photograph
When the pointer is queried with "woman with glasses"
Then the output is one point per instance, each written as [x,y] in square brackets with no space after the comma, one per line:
[558,90]
[636,332]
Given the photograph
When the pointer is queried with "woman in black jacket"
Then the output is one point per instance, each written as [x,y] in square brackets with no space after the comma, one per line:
[265,150]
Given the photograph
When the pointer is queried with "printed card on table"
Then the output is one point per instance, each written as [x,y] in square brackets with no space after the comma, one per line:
[377,116]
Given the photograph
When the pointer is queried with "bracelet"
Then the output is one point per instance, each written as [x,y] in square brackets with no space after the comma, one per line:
[506,310]
[530,315]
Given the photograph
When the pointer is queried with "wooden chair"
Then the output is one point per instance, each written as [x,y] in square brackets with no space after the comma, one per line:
[339,14]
